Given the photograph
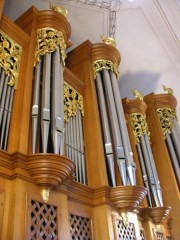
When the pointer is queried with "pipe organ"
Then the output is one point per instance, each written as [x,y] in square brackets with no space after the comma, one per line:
[76,162]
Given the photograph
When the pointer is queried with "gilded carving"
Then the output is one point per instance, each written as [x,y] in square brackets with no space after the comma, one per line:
[139,125]
[137,94]
[72,102]
[48,40]
[10,58]
[166,117]
[108,41]
[168,90]
[99,65]
[59,9]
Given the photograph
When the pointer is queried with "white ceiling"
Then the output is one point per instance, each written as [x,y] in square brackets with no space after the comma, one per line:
[147,33]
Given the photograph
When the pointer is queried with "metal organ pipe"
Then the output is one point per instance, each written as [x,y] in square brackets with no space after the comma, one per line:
[105,129]
[174,158]
[45,121]
[57,104]
[144,172]
[114,129]
[35,105]
[130,165]
[119,149]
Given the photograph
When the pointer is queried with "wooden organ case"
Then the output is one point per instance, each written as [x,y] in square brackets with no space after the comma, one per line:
[66,164]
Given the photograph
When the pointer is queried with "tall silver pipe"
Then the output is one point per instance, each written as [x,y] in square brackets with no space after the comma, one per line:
[57,104]
[115,126]
[9,117]
[76,160]
[3,97]
[144,173]
[72,140]
[153,183]
[67,139]
[105,130]
[45,122]
[2,79]
[177,128]
[123,129]
[82,147]
[173,158]
[176,142]
[35,105]
[78,148]
[4,117]
[159,190]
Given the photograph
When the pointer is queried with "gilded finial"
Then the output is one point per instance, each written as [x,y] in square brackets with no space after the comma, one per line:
[109,41]
[168,90]
[59,9]
[137,94]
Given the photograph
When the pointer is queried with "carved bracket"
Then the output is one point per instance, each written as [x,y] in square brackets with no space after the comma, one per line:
[127,198]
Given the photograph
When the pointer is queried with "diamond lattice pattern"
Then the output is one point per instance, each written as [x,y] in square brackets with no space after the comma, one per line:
[159,236]
[80,228]
[142,234]
[125,233]
[43,221]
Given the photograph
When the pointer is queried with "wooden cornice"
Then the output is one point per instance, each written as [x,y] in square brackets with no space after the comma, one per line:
[102,51]
[161,100]
[74,81]
[134,106]
[13,31]
[80,54]
[35,19]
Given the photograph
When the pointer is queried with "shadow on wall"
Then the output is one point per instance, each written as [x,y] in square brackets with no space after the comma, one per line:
[144,81]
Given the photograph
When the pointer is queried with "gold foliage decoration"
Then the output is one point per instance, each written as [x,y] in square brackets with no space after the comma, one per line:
[139,125]
[48,40]
[73,101]
[166,117]
[99,65]
[10,58]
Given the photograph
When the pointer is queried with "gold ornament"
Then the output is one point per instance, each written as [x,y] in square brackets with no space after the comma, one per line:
[139,125]
[10,58]
[48,40]
[99,65]
[73,101]
[166,117]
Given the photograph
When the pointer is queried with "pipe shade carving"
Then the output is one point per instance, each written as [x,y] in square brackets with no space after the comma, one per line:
[127,198]
[49,169]
[157,214]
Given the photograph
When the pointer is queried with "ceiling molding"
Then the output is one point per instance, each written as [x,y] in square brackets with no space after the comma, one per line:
[112,5]
[171,16]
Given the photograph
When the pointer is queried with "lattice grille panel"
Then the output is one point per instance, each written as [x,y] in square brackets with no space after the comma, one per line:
[142,234]
[43,221]
[159,236]
[168,238]
[125,233]
[80,228]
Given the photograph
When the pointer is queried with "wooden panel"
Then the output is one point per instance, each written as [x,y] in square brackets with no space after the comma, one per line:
[165,171]
[79,62]
[1,7]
